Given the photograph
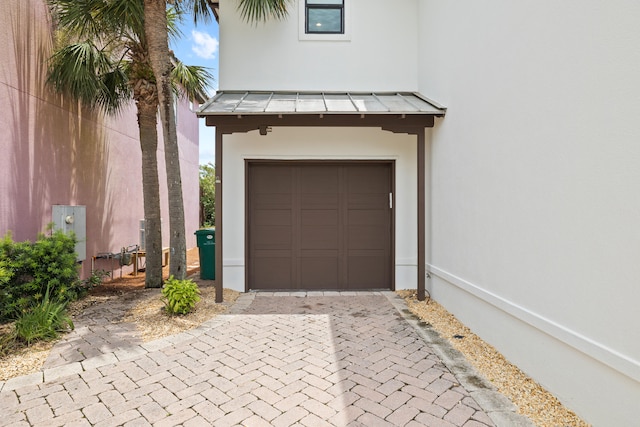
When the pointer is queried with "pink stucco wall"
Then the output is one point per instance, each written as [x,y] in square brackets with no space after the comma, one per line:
[55,153]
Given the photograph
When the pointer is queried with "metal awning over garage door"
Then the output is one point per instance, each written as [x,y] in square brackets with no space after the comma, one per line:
[240,111]
[238,102]
[244,111]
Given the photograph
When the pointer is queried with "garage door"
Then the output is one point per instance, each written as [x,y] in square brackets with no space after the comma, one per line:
[314,226]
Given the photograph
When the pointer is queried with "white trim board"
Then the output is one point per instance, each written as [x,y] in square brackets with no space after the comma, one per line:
[598,351]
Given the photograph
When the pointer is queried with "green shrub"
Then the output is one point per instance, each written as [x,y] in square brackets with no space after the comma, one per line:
[27,269]
[180,295]
[207,195]
[5,275]
[96,278]
[43,322]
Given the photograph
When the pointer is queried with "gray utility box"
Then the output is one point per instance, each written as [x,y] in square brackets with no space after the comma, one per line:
[72,218]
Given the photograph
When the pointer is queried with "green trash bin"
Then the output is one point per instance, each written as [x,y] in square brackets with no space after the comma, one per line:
[206,238]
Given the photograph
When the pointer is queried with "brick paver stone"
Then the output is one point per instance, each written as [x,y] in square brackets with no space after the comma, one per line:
[333,359]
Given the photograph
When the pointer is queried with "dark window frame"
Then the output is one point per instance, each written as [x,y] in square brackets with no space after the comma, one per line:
[317,6]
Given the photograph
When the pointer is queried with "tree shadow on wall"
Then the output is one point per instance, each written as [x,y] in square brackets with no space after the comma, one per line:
[59,152]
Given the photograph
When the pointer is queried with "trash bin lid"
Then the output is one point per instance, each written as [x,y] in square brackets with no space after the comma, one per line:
[205,231]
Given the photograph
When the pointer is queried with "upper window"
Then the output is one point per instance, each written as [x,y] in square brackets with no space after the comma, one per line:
[324,16]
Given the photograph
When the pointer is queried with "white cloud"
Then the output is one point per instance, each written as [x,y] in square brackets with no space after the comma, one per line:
[204,45]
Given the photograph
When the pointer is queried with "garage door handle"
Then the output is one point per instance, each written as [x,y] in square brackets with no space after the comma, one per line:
[390,200]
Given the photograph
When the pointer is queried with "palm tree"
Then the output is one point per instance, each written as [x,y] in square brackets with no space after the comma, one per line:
[158,48]
[103,62]
[160,61]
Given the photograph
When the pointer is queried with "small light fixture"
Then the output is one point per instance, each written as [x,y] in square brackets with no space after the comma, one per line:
[318,24]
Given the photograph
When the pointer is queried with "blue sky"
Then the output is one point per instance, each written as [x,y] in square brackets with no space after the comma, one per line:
[199,46]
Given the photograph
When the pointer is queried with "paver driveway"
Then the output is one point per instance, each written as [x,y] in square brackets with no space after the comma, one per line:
[333,359]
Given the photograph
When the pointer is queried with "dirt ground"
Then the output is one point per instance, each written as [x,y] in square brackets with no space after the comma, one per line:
[532,400]
[142,306]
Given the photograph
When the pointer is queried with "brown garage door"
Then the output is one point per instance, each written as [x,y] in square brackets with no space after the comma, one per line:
[319,226]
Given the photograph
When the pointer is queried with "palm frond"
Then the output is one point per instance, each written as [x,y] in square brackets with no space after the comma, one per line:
[261,10]
[174,17]
[75,68]
[201,9]
[190,81]
[114,90]
[76,17]
[97,18]
[125,14]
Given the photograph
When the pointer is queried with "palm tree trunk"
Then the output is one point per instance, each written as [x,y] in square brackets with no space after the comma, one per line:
[147,124]
[155,24]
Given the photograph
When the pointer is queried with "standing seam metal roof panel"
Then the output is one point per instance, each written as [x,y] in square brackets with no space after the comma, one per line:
[265,102]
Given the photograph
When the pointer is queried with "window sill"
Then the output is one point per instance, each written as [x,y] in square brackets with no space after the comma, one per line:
[324,37]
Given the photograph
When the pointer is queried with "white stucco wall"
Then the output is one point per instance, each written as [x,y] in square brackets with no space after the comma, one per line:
[319,144]
[377,55]
[535,186]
